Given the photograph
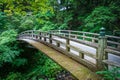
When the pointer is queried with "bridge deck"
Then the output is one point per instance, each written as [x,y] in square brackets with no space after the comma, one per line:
[78,70]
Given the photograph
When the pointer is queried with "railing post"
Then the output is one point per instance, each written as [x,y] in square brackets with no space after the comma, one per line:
[58,44]
[81,55]
[59,32]
[50,38]
[83,36]
[40,34]
[69,33]
[118,47]
[67,45]
[45,36]
[75,36]
[93,39]
[32,34]
[102,44]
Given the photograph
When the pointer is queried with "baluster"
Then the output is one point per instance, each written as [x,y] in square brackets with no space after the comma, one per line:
[59,32]
[50,38]
[35,36]
[93,39]
[81,55]
[64,34]
[29,35]
[67,45]
[83,36]
[45,36]
[118,46]
[69,33]
[32,34]
[58,44]
[40,35]
[75,36]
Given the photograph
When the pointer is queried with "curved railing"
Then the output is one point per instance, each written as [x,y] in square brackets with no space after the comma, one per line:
[104,45]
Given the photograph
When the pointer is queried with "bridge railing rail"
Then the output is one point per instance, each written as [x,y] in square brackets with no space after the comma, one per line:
[104,45]
[112,41]
[87,36]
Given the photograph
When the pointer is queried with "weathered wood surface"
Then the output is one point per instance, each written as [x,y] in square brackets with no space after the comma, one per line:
[84,47]
[75,68]
[112,63]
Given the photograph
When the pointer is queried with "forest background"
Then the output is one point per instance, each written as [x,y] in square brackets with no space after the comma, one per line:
[20,15]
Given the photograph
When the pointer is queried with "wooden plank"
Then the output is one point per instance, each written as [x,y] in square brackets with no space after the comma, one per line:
[112,42]
[112,51]
[58,41]
[113,48]
[87,37]
[84,52]
[94,45]
[115,37]
[111,63]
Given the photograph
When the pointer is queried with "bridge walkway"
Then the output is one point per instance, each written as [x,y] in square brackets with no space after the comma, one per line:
[75,68]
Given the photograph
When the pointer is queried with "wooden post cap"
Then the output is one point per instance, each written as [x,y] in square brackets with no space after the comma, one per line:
[102,31]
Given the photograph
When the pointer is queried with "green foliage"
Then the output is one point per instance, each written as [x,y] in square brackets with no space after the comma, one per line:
[8,37]
[112,74]
[2,21]
[45,67]
[66,22]
[19,62]
[50,68]
[101,16]
[14,76]
[26,23]
[48,26]
[13,22]
[20,15]
[8,55]
[9,48]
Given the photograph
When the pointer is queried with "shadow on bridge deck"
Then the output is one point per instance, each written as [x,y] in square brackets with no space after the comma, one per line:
[75,68]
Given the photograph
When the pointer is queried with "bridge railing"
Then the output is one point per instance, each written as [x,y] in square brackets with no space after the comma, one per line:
[112,41]
[98,42]
[87,36]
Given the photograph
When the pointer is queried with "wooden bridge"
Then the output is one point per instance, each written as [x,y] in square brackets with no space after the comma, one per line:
[78,52]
